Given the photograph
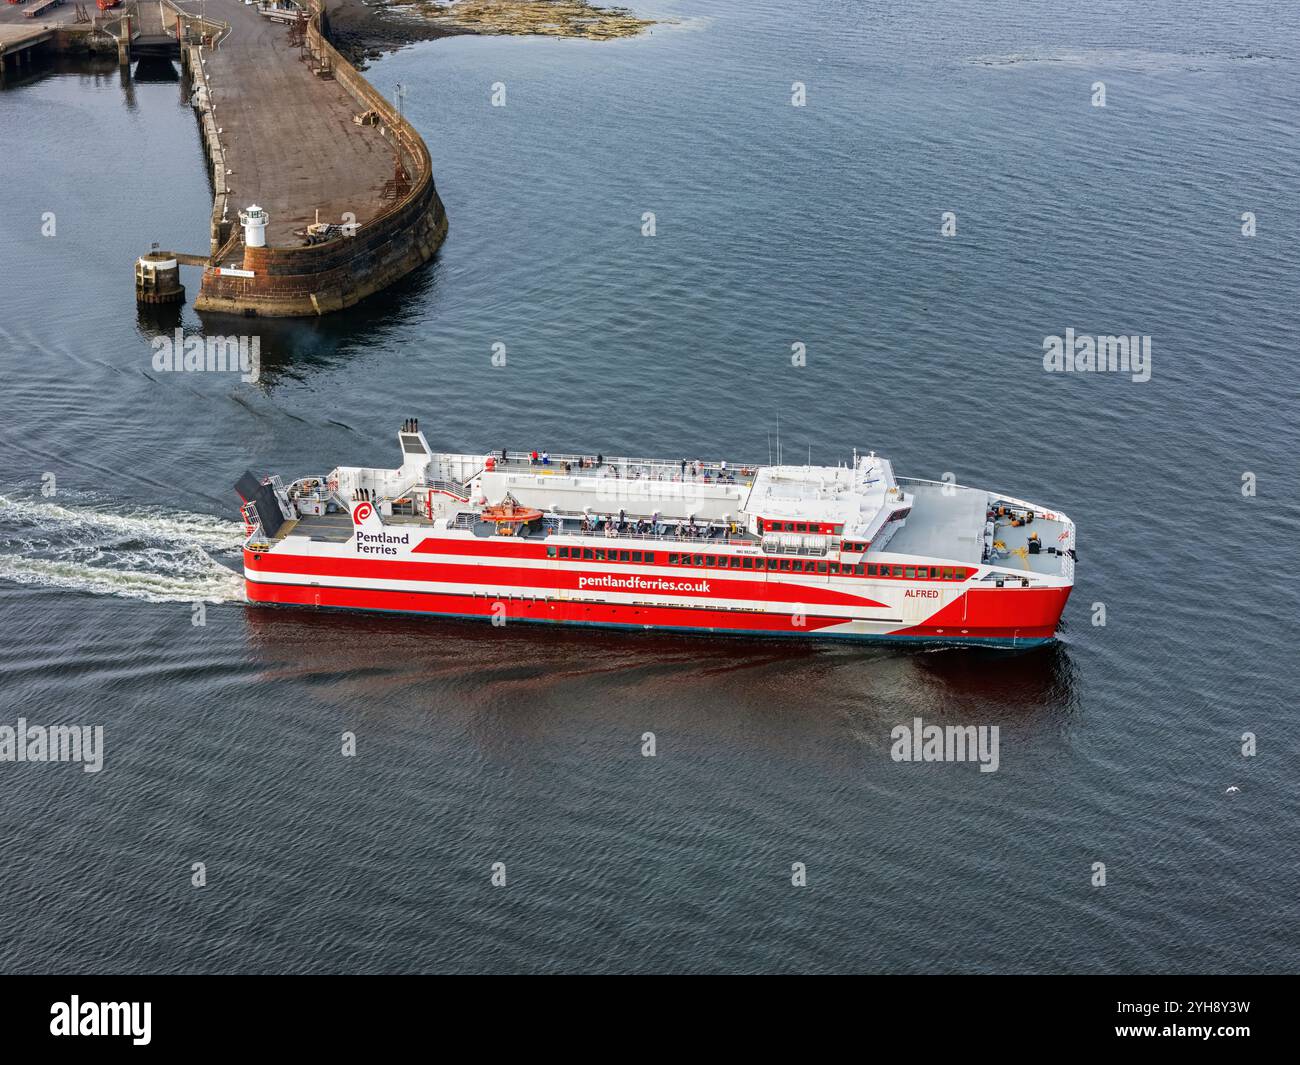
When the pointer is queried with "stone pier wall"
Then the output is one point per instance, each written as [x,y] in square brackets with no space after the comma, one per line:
[220,228]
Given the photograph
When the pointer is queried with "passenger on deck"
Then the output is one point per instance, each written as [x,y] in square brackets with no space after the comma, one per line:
[600,459]
[532,457]
[546,458]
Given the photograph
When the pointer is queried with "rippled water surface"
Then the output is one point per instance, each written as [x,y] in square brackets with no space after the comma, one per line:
[774,225]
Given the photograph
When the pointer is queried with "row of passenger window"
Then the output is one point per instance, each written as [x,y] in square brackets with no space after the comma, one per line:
[602,554]
[751,562]
[919,573]
[803,527]
[834,569]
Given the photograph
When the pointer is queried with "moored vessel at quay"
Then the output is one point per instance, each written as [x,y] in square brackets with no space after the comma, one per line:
[848,551]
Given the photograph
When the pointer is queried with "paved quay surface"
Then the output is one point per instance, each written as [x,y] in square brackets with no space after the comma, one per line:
[289,137]
[16,28]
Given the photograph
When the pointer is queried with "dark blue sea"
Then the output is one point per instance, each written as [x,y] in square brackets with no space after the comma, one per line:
[775,225]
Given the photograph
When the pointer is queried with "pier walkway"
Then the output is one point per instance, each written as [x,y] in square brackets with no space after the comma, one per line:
[288,136]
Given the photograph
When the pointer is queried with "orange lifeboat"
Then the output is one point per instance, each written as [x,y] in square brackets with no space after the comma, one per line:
[508,515]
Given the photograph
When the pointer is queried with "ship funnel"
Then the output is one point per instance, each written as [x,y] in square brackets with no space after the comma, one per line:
[415,451]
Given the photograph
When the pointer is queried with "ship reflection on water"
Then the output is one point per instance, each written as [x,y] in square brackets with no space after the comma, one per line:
[524,669]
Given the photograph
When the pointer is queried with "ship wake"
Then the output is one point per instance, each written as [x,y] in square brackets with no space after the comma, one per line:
[149,554]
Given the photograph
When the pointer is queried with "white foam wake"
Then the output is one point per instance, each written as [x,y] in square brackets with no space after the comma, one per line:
[139,553]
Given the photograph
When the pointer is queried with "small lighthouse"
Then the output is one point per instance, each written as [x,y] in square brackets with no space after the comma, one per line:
[254,222]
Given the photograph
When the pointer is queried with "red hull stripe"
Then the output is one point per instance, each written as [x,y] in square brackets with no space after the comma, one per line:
[489,576]
[558,611]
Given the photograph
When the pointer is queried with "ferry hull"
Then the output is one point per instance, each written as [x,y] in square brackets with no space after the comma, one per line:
[1018,618]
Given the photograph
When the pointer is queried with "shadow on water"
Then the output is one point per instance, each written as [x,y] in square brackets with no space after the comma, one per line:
[1046,675]
[97,68]
[294,347]
[326,646]
[156,70]
[158,319]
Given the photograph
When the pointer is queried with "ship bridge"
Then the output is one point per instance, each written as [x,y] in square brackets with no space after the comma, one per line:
[854,502]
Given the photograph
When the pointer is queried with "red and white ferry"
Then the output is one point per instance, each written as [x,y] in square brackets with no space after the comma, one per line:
[847,551]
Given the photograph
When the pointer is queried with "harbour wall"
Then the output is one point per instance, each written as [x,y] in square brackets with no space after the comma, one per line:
[305,281]
[276,104]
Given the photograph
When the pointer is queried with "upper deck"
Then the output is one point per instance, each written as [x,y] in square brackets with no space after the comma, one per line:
[855,502]
[850,512]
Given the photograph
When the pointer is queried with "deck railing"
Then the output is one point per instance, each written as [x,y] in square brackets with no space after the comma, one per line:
[633,468]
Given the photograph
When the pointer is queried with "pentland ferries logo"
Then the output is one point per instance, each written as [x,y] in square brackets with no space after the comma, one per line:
[1098,354]
[215,354]
[102,1018]
[378,541]
[920,742]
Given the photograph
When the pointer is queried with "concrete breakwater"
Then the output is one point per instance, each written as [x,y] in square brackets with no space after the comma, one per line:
[323,194]
[331,160]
